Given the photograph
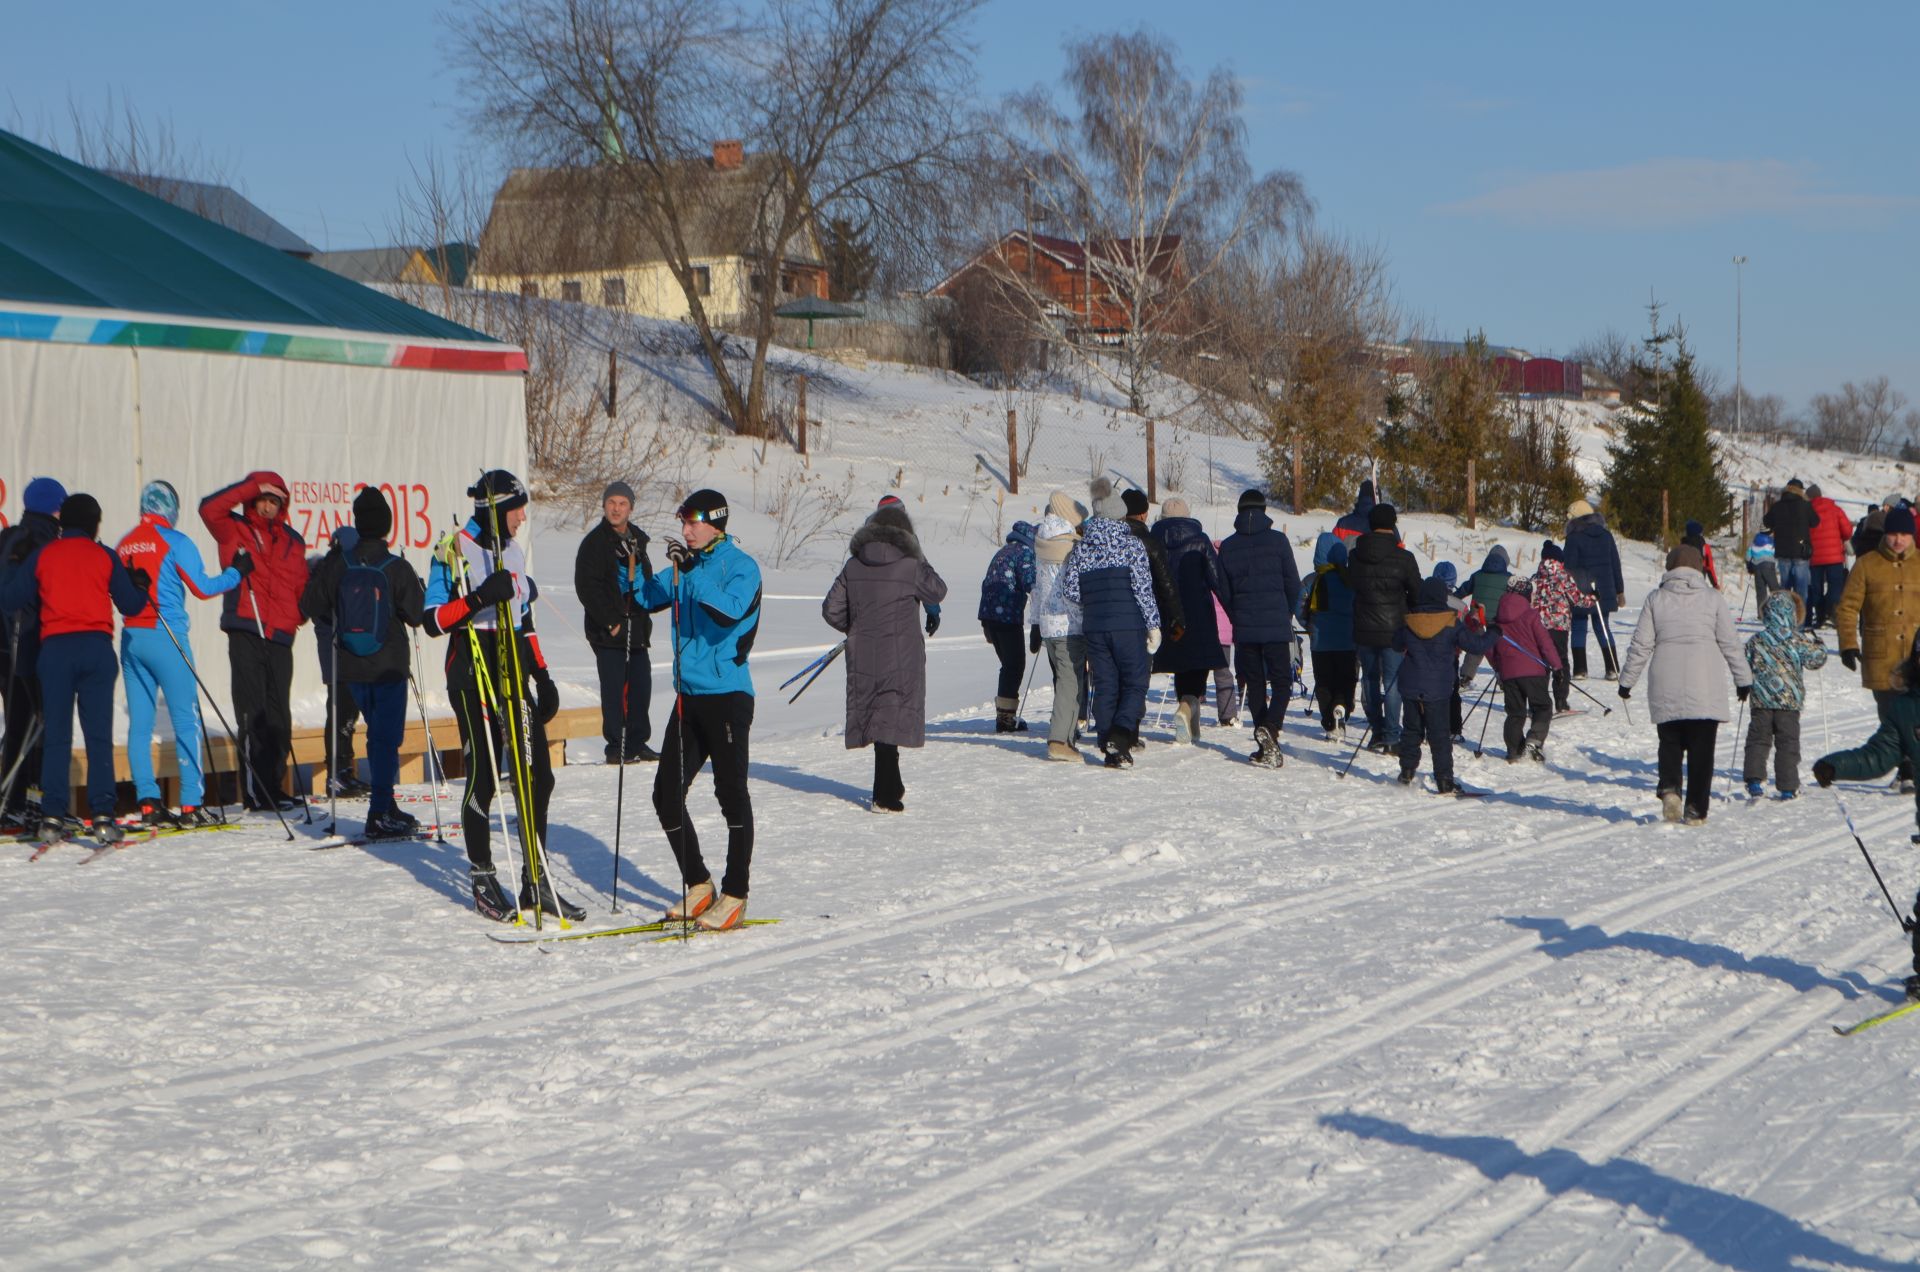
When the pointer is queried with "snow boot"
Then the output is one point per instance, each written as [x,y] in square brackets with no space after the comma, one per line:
[489,902]
[1380,746]
[698,900]
[1793,794]
[1913,987]
[1004,718]
[1536,753]
[1580,663]
[1755,790]
[390,824]
[879,805]
[1445,786]
[1694,817]
[1062,751]
[551,902]
[727,913]
[1670,806]
[1118,749]
[1268,755]
[1183,718]
[1193,718]
[1407,776]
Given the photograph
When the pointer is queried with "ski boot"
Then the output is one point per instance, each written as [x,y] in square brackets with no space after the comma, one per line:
[1755,790]
[194,816]
[488,899]
[696,902]
[1913,988]
[156,817]
[391,823]
[53,829]
[106,832]
[551,902]
[727,913]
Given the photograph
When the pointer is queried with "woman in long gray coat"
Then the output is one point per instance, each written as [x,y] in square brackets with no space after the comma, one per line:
[1684,636]
[876,601]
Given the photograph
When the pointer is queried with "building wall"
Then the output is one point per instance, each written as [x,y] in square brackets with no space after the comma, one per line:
[653,292]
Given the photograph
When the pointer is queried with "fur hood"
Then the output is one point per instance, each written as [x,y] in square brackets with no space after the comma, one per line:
[877,532]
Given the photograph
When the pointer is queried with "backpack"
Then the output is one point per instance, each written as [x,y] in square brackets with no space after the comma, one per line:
[363,607]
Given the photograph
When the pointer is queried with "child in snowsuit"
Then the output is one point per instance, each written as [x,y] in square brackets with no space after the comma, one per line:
[1524,658]
[1778,656]
[1555,597]
[1108,577]
[1003,611]
[1430,641]
[1765,570]
[1895,742]
[1326,610]
[1484,587]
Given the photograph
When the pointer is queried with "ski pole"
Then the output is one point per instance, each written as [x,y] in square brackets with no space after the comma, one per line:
[434,769]
[240,757]
[1604,708]
[1733,748]
[28,741]
[1385,694]
[510,685]
[1480,748]
[1478,701]
[1033,665]
[207,782]
[680,765]
[1906,923]
[826,657]
[333,736]
[824,664]
[620,782]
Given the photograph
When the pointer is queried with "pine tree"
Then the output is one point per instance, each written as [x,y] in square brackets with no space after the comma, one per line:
[1670,450]
[849,259]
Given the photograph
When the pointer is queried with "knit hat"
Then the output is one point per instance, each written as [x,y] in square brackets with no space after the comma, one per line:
[890,501]
[371,515]
[1891,501]
[1694,528]
[1383,517]
[1136,501]
[619,488]
[1899,521]
[1795,488]
[80,512]
[1107,504]
[160,499]
[506,491]
[1686,557]
[1175,507]
[1550,551]
[1447,573]
[1813,492]
[1579,508]
[1251,499]
[45,495]
[1062,505]
[709,506]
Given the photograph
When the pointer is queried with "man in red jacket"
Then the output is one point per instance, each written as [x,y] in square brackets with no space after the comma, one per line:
[1831,536]
[260,618]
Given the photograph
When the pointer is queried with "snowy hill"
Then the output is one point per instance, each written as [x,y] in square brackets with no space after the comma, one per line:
[1194,1015]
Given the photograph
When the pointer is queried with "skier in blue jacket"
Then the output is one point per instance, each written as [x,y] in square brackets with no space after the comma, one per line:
[1108,577]
[713,591]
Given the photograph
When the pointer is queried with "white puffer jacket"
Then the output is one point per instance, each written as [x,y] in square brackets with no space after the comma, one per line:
[1049,607]
[1684,643]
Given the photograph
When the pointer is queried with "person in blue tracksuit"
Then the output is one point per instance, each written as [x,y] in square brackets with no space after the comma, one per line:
[155,656]
[1108,577]
[75,584]
[1262,593]
[713,591]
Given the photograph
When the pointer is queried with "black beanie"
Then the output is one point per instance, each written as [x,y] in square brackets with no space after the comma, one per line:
[503,486]
[371,516]
[1252,499]
[80,512]
[1136,501]
[1383,517]
[711,503]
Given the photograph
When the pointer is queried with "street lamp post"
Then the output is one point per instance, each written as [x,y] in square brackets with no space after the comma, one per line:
[1738,392]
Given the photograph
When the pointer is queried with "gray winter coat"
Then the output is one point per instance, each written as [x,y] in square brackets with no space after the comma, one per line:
[1684,642]
[876,601]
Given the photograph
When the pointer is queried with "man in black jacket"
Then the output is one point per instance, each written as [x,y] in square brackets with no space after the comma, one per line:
[19,654]
[1385,580]
[1792,520]
[372,665]
[607,573]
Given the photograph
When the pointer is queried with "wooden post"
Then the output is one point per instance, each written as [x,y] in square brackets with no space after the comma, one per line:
[613,383]
[1666,531]
[1746,535]
[1013,452]
[1472,494]
[1299,480]
[1152,495]
[800,425]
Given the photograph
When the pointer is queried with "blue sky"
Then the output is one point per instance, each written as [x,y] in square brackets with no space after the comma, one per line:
[1528,170]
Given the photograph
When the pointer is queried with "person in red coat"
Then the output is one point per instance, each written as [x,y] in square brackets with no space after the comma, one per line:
[1831,537]
[1524,658]
[260,618]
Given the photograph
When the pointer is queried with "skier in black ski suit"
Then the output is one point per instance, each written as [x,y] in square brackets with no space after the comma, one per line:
[20,648]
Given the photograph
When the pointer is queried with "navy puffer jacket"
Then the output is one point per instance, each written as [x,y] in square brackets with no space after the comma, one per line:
[1263,582]
[1593,558]
[1106,575]
[1196,580]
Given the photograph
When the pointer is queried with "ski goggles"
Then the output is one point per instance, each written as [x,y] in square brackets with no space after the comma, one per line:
[702,514]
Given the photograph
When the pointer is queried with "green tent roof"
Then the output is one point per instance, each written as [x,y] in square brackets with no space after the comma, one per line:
[74,237]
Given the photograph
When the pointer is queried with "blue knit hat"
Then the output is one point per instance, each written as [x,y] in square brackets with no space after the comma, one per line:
[44,496]
[1447,573]
[160,498]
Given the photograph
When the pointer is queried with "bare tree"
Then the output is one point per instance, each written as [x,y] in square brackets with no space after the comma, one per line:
[1764,413]
[1149,168]
[146,154]
[853,103]
[1860,417]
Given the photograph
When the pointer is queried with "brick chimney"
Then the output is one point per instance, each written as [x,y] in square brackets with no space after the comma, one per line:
[728,155]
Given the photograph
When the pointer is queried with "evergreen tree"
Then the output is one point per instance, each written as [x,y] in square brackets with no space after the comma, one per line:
[849,259]
[1671,450]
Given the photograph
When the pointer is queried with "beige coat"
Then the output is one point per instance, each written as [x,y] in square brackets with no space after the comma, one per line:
[1879,613]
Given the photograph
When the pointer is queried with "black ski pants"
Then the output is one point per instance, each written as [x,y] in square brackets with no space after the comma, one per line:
[1267,672]
[483,746]
[1426,722]
[1563,678]
[1774,729]
[342,713]
[262,683]
[1527,699]
[888,786]
[1335,676]
[707,726]
[1691,741]
[23,712]
[626,691]
[1009,641]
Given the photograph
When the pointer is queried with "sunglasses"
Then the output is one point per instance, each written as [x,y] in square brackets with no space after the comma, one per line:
[702,514]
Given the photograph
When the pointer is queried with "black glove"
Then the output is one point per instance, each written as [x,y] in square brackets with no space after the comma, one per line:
[141,579]
[1033,640]
[1741,691]
[681,557]
[1625,692]
[22,549]
[933,622]
[1823,773]
[495,589]
[242,563]
[546,696]
[1851,657]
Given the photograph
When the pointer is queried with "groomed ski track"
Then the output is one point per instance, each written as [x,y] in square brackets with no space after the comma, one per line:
[1047,1043]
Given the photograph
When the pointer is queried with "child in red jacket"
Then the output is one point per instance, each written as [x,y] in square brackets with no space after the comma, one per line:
[1523,657]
